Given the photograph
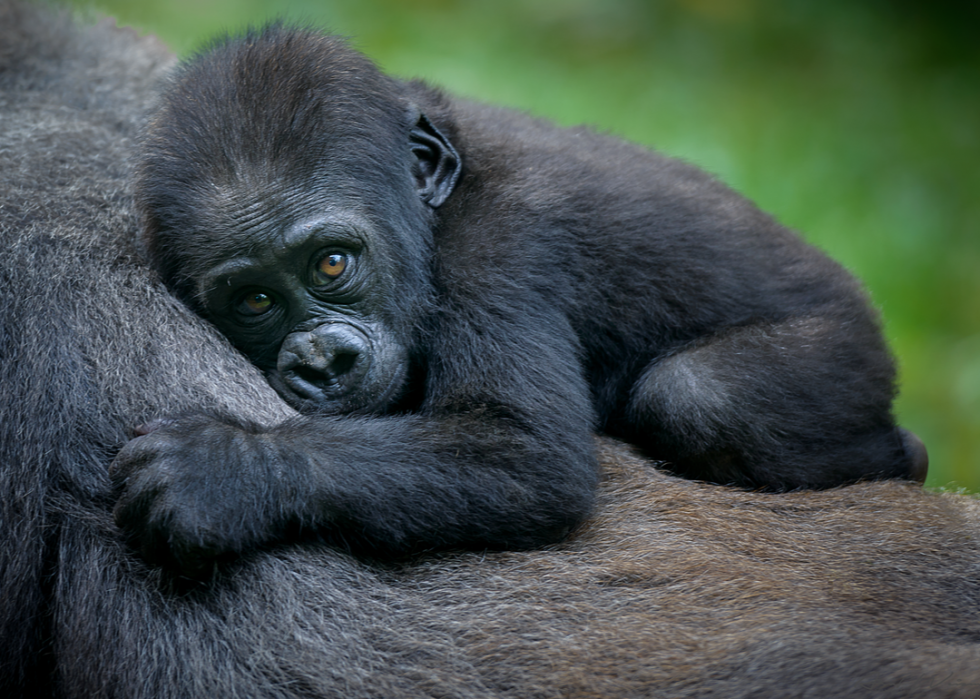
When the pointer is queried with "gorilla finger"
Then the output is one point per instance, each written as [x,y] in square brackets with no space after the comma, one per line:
[140,452]
[134,455]
[152,426]
[131,511]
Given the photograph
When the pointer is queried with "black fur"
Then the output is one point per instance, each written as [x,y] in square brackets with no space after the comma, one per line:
[674,589]
[505,281]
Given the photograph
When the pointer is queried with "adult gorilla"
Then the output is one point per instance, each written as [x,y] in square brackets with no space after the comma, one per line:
[674,589]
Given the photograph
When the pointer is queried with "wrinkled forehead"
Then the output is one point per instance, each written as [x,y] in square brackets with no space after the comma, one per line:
[263,209]
[272,162]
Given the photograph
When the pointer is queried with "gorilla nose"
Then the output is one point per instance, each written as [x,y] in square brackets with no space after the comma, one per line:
[324,363]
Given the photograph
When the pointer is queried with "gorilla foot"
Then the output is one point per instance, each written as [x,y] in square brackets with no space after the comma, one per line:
[917,454]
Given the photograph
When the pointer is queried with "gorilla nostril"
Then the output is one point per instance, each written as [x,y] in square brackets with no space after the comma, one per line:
[343,362]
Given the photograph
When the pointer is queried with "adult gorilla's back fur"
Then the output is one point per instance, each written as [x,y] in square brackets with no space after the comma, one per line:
[674,589]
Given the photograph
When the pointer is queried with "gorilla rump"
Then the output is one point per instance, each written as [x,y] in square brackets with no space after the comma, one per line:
[455,296]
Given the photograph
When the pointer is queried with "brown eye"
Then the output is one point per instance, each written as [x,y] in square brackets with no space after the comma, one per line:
[330,267]
[255,303]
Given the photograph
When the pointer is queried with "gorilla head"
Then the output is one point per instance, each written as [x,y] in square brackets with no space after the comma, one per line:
[328,177]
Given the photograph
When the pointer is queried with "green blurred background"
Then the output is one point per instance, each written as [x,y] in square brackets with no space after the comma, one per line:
[856,122]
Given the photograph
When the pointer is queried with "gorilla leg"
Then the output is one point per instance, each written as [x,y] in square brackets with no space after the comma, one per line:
[785,405]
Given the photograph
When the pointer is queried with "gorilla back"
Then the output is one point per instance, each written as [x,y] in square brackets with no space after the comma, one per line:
[442,287]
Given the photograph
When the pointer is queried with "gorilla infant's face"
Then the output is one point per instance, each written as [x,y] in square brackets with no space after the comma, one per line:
[303,228]
[305,302]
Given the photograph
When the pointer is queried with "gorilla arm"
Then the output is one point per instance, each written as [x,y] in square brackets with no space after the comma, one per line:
[479,466]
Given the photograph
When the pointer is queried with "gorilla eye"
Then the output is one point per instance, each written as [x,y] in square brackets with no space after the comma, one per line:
[329,268]
[255,303]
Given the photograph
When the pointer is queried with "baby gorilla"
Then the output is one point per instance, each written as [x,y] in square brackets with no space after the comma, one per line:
[454,297]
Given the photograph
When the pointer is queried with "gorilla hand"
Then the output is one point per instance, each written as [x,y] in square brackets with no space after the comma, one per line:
[193,488]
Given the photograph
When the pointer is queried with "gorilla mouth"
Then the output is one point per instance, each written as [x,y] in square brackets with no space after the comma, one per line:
[311,386]
[355,391]
[346,372]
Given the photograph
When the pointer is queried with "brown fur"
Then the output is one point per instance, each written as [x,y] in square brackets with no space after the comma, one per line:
[688,589]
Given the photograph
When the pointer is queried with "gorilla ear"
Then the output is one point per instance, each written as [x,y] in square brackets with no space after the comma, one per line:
[437,164]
